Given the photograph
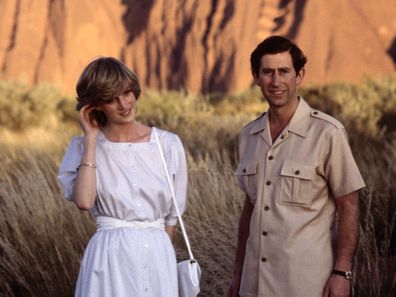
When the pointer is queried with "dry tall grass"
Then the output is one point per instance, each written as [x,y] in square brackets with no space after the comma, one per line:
[42,237]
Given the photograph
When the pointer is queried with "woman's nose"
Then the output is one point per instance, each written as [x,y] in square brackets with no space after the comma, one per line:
[123,101]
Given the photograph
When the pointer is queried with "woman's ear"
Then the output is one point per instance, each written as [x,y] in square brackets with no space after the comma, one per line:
[98,107]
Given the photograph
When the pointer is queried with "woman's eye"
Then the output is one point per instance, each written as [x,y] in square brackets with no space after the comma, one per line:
[127,92]
[109,101]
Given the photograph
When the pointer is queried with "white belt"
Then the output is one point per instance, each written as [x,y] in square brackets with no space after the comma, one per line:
[107,223]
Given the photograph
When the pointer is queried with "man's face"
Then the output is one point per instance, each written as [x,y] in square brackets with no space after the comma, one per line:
[278,79]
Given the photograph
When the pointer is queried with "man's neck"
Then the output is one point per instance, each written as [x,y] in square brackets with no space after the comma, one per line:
[279,118]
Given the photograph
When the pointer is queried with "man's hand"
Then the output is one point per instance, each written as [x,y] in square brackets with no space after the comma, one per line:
[233,289]
[337,286]
[243,234]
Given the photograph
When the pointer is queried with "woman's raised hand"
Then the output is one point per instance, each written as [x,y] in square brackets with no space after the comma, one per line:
[89,125]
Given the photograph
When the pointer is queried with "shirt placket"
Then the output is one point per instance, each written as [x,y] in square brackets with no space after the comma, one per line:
[134,177]
[267,230]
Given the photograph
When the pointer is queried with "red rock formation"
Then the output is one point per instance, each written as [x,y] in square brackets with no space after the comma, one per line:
[199,45]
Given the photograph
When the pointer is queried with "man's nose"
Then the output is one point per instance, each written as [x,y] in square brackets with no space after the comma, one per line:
[275,78]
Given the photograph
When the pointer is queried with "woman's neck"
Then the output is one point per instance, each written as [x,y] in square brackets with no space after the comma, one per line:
[131,132]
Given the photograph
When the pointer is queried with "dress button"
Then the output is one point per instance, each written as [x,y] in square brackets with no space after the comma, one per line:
[266,208]
[297,172]
[268,183]
[263,259]
[270,158]
[265,233]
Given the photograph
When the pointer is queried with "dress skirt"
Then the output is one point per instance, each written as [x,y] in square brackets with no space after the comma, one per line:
[128,262]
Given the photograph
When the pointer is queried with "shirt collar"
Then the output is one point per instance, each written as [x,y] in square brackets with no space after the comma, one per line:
[298,123]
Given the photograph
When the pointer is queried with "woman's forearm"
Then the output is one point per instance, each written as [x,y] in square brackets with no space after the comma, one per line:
[84,192]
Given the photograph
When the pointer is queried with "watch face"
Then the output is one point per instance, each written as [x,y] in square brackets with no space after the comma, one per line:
[348,275]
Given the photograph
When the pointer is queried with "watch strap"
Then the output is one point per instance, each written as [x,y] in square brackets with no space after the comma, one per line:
[346,274]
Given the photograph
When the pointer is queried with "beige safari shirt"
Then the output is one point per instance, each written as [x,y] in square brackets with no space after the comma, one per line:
[292,183]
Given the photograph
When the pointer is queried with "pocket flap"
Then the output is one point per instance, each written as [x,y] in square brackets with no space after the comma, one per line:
[246,169]
[293,169]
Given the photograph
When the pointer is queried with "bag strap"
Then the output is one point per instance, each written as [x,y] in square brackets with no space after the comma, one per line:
[173,195]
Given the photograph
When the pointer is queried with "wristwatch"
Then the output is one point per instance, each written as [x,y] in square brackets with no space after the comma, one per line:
[346,274]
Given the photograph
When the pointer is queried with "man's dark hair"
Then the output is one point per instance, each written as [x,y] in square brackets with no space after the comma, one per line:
[277,44]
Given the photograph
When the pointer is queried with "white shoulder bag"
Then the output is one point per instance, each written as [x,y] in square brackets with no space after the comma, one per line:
[188,271]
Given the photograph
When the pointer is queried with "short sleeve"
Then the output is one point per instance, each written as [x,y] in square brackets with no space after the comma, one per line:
[341,170]
[239,170]
[68,170]
[177,164]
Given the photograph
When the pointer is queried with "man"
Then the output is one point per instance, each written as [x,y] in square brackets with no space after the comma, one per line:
[297,170]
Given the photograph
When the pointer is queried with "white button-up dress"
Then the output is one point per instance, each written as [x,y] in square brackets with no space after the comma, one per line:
[131,186]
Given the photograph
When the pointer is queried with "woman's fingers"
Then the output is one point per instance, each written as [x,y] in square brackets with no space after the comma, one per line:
[88,123]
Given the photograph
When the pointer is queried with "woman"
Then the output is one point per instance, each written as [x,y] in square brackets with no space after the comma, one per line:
[115,171]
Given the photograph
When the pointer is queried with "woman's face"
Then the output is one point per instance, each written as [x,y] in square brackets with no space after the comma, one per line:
[120,110]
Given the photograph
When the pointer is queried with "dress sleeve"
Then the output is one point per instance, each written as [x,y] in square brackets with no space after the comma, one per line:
[341,170]
[178,169]
[68,170]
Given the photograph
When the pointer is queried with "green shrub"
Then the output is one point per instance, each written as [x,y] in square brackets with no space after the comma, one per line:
[22,107]
[356,106]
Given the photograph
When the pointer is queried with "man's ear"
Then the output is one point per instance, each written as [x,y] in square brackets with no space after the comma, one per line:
[300,76]
[255,77]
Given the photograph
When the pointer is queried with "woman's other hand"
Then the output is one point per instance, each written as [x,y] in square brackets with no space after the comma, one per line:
[89,125]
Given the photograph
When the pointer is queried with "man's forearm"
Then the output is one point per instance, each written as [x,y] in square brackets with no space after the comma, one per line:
[348,230]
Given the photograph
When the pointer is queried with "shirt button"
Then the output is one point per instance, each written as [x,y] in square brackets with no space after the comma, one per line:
[265,233]
[146,245]
[283,136]
[129,145]
[270,158]
[244,170]
[268,183]
[315,112]
[263,259]
[297,172]
[266,208]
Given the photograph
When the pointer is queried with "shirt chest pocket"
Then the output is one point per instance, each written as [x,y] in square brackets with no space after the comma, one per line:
[296,184]
[247,176]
